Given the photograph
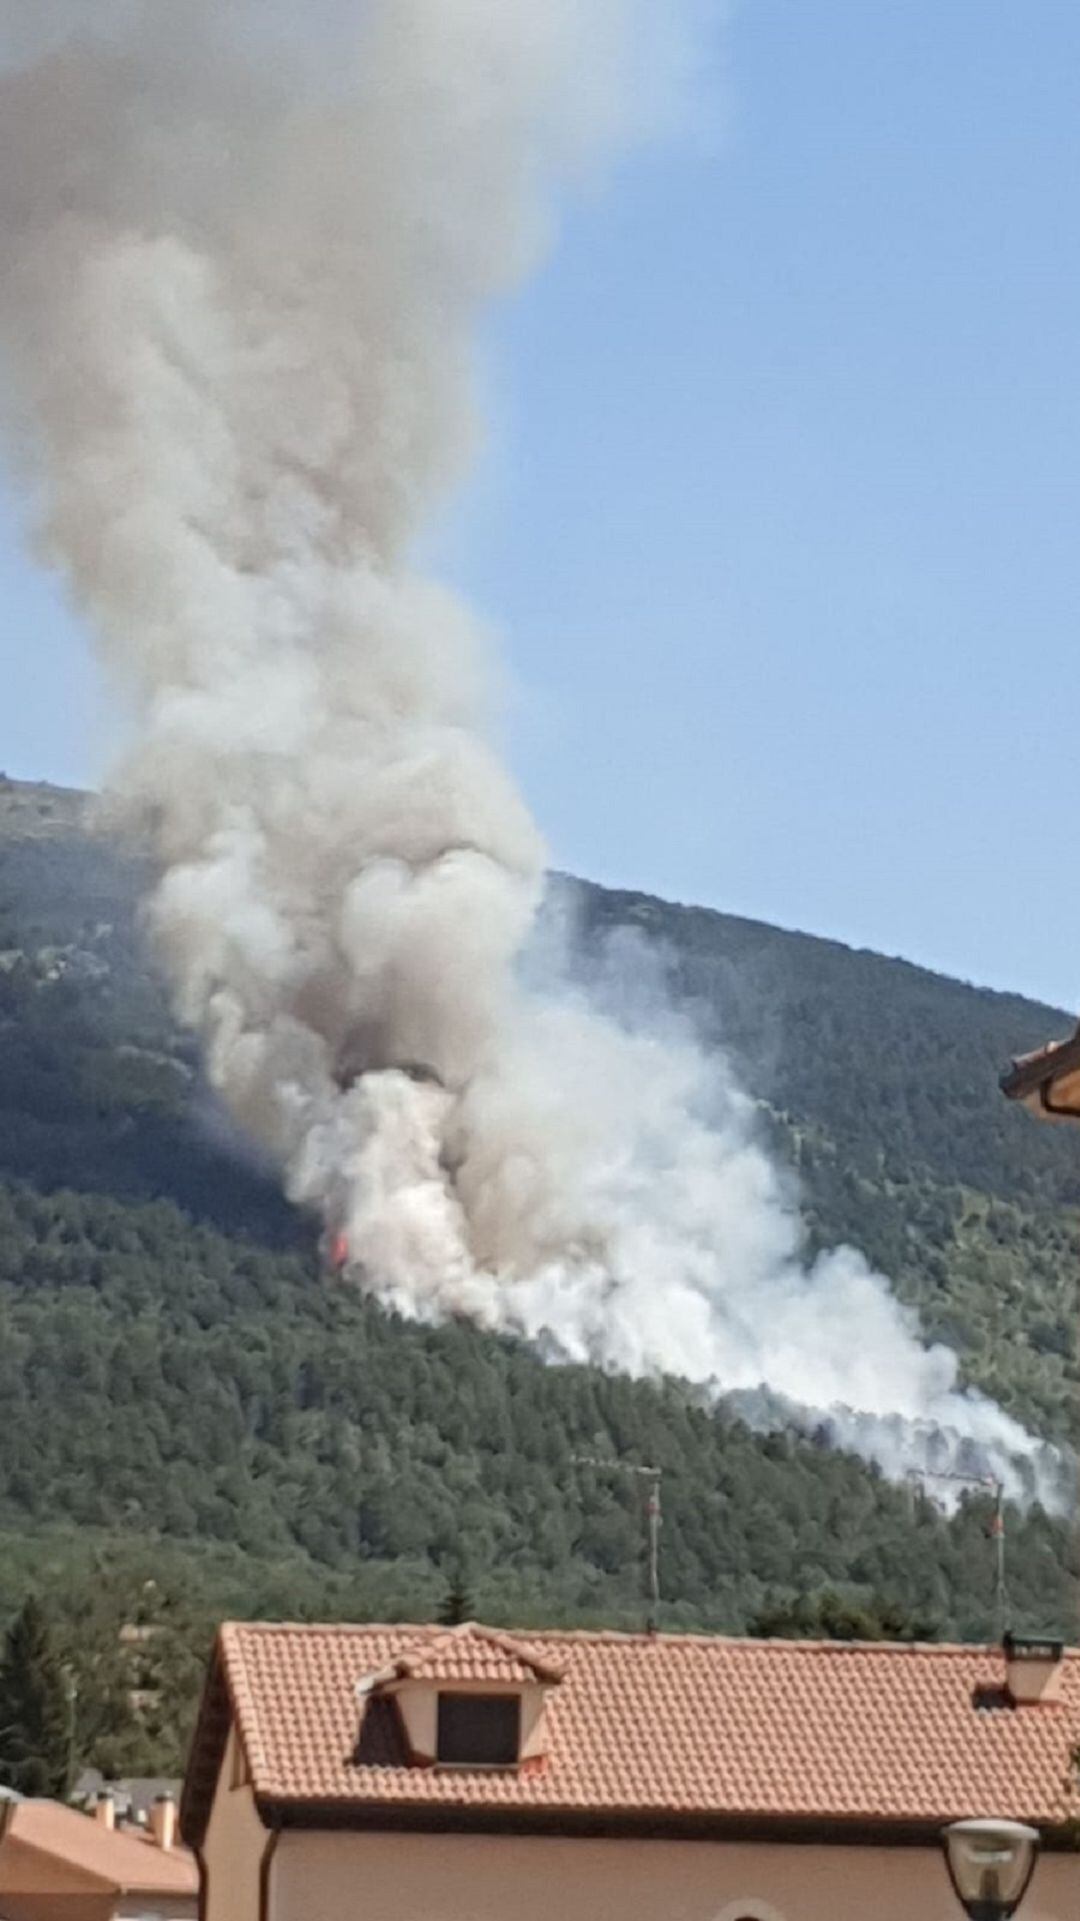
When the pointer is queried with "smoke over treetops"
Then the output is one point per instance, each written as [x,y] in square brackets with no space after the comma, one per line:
[244,264]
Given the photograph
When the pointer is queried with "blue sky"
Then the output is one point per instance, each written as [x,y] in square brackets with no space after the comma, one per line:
[780,516]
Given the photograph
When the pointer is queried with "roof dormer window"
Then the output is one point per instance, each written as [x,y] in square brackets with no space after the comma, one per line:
[467,1698]
[479,1730]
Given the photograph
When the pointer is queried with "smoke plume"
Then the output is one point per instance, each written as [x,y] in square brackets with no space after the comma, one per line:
[246,247]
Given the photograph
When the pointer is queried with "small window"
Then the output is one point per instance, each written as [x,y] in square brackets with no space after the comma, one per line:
[479,1730]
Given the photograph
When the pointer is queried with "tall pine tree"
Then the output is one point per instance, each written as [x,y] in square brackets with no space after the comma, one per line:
[456,1606]
[35,1708]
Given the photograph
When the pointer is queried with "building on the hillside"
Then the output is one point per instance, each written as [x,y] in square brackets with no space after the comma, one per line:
[471,1775]
[134,1797]
[57,1864]
[1047,1082]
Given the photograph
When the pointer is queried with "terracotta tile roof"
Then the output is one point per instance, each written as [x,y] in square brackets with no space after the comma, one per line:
[652,1728]
[108,1858]
[470,1653]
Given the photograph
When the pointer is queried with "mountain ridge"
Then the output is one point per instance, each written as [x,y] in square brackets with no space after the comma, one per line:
[39,809]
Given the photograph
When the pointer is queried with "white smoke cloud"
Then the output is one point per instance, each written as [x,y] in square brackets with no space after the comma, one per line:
[246,246]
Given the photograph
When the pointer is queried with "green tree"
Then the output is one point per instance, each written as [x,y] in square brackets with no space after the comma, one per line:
[829,1616]
[457,1604]
[35,1708]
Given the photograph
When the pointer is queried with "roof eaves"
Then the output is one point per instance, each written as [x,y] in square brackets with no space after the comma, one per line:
[1030,1073]
[623,1823]
[156,1884]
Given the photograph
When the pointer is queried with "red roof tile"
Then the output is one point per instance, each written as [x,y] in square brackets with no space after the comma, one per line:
[652,1727]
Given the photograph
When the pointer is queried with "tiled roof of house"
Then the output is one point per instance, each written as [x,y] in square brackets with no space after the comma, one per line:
[651,1729]
[107,1858]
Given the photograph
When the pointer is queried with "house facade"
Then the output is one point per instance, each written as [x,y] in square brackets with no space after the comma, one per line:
[425,1774]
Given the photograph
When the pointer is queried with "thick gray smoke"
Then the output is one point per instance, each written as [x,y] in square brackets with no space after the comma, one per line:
[246,245]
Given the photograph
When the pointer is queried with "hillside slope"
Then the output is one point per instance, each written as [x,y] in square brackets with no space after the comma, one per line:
[173,1367]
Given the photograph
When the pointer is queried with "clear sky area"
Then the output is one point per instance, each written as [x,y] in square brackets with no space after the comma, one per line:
[780,515]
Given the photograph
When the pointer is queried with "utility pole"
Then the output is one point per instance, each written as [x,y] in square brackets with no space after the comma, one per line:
[998,1529]
[988,1482]
[72,1690]
[653,1520]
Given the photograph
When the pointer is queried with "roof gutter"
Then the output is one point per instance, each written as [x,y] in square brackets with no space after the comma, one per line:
[622,1825]
[266,1864]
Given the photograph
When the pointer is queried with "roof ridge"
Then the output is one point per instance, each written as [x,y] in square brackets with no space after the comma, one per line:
[434,1631]
[830,1646]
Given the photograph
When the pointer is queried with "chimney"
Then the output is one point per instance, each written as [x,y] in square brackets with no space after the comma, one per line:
[1032,1670]
[105,1811]
[163,1821]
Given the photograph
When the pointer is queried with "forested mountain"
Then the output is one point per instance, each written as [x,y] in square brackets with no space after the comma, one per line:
[185,1399]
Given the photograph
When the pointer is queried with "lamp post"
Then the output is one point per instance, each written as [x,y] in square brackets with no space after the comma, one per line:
[990,1866]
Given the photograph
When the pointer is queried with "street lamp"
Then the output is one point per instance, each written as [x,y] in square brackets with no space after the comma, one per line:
[990,1866]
